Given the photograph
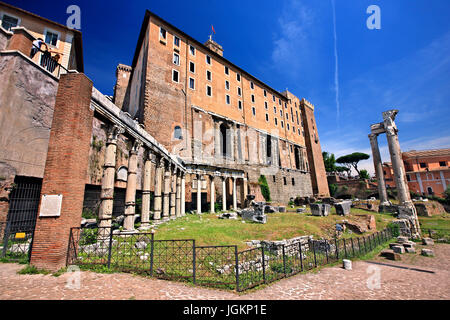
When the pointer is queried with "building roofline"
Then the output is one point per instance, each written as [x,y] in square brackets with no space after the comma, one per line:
[149,14]
[77,34]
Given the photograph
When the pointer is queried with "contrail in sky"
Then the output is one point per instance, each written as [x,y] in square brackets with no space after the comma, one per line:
[336,71]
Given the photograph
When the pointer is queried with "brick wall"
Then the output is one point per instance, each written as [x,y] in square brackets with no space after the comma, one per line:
[65,169]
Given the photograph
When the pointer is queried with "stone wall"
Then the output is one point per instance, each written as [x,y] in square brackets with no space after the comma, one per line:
[4,37]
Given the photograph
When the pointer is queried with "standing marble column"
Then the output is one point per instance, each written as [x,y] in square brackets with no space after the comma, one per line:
[178,195]
[183,194]
[148,164]
[173,190]
[130,195]
[244,192]
[166,207]
[212,193]
[199,194]
[107,193]
[158,186]
[378,170]
[224,193]
[234,194]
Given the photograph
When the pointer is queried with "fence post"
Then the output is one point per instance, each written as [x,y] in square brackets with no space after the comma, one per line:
[359,246]
[314,250]
[429,232]
[30,247]
[152,247]
[193,261]
[263,263]
[236,261]
[110,246]
[345,248]
[284,261]
[300,252]
[6,239]
[353,248]
[337,248]
[326,250]
[365,246]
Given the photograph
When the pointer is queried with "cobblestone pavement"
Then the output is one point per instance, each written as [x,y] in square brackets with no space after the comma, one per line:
[404,279]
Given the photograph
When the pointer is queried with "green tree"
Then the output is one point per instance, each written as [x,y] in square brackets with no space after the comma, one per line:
[264,187]
[329,161]
[363,174]
[447,193]
[352,160]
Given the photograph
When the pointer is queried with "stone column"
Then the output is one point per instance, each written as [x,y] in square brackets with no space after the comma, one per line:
[173,190]
[109,170]
[145,216]
[178,195]
[183,194]
[166,208]
[217,146]
[406,207]
[234,194]
[130,195]
[158,186]
[212,192]
[244,192]
[378,170]
[224,193]
[199,194]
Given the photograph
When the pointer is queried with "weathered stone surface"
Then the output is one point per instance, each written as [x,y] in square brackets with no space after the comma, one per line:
[343,208]
[229,215]
[270,209]
[281,209]
[398,249]
[428,209]
[320,209]
[410,249]
[347,264]
[427,241]
[390,254]
[301,210]
[427,252]
[402,239]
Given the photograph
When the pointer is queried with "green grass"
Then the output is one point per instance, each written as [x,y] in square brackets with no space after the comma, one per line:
[208,229]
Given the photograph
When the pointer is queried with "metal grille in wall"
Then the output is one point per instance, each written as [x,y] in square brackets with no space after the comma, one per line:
[24,204]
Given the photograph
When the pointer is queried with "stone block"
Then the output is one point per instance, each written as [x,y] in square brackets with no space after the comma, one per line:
[398,249]
[402,239]
[343,208]
[320,209]
[391,255]
[410,249]
[347,264]
[427,241]
[427,252]
[281,209]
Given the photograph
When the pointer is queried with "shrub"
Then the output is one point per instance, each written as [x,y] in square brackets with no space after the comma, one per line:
[395,228]
[264,187]
[89,236]
[333,189]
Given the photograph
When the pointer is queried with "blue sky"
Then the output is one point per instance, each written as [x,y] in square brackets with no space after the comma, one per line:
[291,44]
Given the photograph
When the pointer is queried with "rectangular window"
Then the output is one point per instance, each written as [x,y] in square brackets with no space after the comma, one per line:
[227,71]
[274,99]
[293,129]
[293,181]
[299,132]
[192,83]
[282,124]
[281,113]
[276,121]
[284,181]
[423,165]
[51,38]
[162,34]
[238,77]
[176,41]
[9,22]
[240,105]
[227,85]
[192,50]
[208,75]
[251,85]
[408,178]
[209,91]
[239,91]
[279,101]
[275,110]
[265,105]
[254,111]
[442,163]
[227,99]
[192,67]
[265,93]
[175,76]
[176,59]
[288,126]
[253,98]
[267,117]
[208,59]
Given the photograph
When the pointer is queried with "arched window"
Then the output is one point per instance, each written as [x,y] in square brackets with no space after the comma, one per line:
[177,134]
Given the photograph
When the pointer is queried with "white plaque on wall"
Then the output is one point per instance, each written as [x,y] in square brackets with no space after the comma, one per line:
[51,205]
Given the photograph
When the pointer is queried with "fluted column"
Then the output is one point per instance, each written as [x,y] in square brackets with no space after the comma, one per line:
[109,170]
[167,178]
[378,169]
[130,196]
[148,164]
[178,195]
[199,194]
[173,190]
[224,193]
[212,192]
[183,194]
[158,186]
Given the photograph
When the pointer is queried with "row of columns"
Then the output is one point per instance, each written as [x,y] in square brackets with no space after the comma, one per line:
[224,192]
[169,186]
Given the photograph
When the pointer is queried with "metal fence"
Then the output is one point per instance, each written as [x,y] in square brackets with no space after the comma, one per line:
[214,266]
[15,246]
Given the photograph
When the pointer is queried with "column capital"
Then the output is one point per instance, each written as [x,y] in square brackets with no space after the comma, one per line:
[137,144]
[113,132]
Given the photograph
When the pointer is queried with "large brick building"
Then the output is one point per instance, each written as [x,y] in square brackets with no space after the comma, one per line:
[213,114]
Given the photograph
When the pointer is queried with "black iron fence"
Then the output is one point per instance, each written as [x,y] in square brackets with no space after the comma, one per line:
[214,266]
[15,245]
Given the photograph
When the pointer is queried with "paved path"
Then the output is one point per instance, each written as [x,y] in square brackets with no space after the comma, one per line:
[415,277]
